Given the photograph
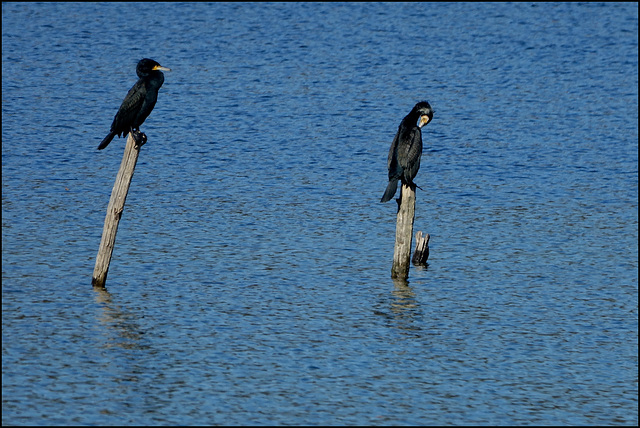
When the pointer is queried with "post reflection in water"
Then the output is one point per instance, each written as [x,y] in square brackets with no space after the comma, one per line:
[128,333]
[404,309]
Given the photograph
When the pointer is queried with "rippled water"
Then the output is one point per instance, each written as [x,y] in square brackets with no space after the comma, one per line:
[250,282]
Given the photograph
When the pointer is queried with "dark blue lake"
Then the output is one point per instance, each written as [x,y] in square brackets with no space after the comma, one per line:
[250,282]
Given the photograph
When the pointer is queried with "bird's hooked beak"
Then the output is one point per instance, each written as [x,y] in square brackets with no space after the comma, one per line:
[159,67]
[424,119]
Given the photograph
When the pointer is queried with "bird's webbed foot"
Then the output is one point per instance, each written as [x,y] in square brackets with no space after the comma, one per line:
[139,137]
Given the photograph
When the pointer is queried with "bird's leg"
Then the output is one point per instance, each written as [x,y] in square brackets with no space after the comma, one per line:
[139,137]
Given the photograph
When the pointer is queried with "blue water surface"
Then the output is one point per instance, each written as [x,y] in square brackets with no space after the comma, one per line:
[250,281]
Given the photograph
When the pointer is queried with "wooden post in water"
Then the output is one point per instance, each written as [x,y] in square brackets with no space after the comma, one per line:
[404,233]
[114,212]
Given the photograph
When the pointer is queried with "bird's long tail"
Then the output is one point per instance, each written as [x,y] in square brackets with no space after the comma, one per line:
[106,140]
[391,190]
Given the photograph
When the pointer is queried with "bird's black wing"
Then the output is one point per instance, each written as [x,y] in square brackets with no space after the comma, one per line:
[409,153]
[129,109]
[147,106]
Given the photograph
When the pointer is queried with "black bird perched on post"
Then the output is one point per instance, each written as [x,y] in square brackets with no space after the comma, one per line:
[406,149]
[138,103]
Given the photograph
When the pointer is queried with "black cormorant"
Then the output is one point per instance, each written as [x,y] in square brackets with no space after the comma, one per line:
[138,103]
[406,149]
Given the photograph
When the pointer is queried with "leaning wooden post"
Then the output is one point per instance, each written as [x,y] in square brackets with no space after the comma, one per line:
[114,212]
[404,233]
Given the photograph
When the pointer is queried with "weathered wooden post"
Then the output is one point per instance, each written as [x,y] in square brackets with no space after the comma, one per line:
[404,232]
[114,212]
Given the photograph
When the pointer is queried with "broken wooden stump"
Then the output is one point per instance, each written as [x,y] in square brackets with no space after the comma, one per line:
[421,253]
